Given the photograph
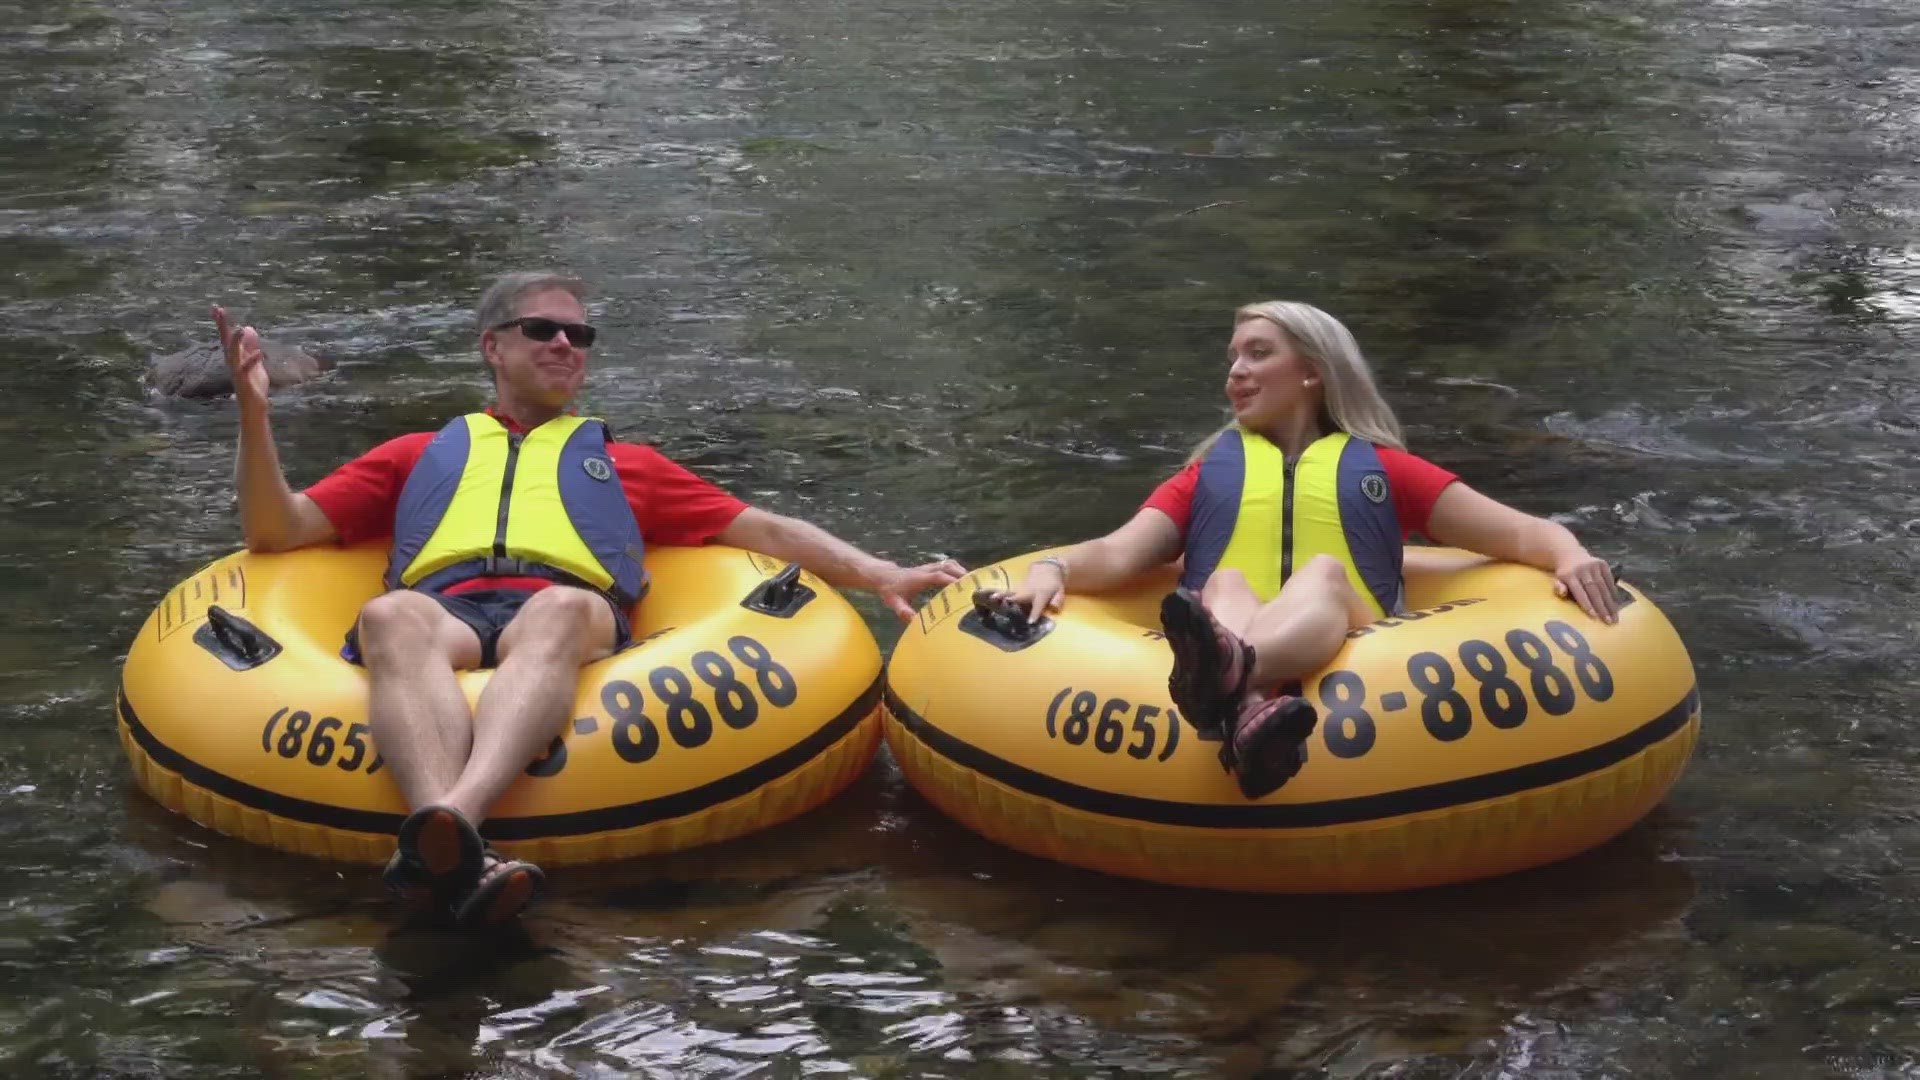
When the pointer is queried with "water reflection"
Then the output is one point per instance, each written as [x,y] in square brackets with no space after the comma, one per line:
[59,144]
[950,279]
[1463,199]
[874,935]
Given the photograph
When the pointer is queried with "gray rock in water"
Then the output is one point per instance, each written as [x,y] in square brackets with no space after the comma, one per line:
[200,371]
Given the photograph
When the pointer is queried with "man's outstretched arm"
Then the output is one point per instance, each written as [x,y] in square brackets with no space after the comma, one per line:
[837,562]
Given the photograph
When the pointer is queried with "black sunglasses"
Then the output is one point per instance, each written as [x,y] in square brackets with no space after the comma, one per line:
[539,329]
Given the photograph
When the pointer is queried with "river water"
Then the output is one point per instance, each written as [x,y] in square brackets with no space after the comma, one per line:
[957,278]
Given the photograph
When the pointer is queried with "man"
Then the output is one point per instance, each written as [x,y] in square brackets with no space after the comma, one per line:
[535,601]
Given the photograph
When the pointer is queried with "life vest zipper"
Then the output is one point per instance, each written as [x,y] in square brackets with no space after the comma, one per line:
[506,495]
[1286,519]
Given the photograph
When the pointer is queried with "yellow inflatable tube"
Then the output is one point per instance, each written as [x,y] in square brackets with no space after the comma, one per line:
[751,696]
[1492,728]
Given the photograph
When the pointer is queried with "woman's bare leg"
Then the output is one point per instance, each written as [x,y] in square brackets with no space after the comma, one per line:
[1301,629]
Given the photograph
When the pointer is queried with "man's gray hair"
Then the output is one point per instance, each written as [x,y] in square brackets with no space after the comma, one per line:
[502,299]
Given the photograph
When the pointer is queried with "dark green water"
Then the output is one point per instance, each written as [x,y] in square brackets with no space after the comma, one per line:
[956,278]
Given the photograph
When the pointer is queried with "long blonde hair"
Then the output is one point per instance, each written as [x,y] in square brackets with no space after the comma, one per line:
[1352,402]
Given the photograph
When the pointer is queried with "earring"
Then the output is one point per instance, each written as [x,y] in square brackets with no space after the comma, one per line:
[1306,382]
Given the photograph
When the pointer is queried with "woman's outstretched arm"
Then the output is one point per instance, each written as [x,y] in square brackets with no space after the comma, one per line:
[1462,517]
[1147,540]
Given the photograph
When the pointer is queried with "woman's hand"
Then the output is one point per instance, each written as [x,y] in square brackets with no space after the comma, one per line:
[1462,517]
[1043,590]
[1588,581]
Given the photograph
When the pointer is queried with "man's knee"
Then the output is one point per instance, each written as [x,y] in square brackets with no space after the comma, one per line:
[560,621]
[562,604]
[397,618]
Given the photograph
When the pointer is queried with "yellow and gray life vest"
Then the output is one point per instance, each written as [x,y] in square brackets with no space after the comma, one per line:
[1258,513]
[486,502]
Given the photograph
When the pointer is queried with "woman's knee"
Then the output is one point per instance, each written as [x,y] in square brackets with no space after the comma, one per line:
[1326,570]
[1327,576]
[1322,576]
[1225,584]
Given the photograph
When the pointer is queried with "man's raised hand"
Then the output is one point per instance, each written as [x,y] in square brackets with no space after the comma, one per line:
[245,360]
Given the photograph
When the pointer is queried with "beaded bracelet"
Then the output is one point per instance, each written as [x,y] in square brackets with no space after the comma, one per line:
[1056,564]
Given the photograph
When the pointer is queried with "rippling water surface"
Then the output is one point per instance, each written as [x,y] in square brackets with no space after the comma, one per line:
[956,278]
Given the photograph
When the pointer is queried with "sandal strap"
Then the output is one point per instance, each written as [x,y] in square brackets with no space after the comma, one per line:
[1239,690]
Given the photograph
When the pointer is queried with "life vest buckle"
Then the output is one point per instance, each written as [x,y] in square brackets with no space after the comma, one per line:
[501,566]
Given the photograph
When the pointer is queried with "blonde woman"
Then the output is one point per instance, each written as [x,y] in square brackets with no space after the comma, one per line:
[1292,521]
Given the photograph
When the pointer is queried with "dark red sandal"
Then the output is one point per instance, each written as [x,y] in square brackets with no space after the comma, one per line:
[1269,744]
[1204,682]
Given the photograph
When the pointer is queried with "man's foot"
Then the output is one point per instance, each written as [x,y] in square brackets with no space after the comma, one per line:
[408,884]
[503,890]
[1269,744]
[438,854]
[1210,664]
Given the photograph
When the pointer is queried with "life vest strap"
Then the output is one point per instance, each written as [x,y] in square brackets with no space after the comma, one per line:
[498,566]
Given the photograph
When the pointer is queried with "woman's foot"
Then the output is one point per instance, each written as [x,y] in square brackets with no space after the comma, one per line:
[1210,664]
[1269,743]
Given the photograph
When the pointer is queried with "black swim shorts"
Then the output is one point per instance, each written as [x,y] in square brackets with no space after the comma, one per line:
[488,611]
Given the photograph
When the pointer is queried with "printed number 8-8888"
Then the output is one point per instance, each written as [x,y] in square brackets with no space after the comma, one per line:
[1504,700]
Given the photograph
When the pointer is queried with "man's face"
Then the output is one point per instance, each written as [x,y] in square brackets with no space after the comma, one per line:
[546,373]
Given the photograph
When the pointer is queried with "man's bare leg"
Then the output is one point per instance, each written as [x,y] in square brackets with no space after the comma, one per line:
[421,725]
[527,700]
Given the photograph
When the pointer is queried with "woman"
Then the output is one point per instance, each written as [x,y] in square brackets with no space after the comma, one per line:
[1292,521]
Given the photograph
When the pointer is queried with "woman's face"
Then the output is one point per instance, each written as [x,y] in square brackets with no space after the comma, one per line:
[1267,378]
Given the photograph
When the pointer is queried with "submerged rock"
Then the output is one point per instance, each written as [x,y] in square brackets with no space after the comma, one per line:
[192,902]
[200,371]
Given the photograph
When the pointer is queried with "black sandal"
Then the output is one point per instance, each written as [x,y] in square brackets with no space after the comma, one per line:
[437,854]
[500,893]
[1200,665]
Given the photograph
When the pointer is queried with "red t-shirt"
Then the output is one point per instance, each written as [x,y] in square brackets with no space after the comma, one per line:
[1416,484]
[673,506]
